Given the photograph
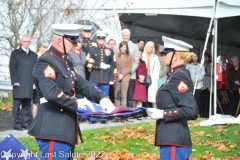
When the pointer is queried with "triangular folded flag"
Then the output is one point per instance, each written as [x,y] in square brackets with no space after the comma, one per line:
[12,149]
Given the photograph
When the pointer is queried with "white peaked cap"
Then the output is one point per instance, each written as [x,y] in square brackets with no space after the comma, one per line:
[67,29]
[176,44]
[101,34]
[87,27]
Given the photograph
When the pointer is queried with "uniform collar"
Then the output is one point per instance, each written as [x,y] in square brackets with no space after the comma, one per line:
[182,66]
[57,53]
[101,47]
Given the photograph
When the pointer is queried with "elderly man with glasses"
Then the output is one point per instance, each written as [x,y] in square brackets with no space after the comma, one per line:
[22,61]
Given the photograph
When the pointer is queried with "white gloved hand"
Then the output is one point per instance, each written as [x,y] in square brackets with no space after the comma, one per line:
[111,82]
[82,103]
[107,66]
[107,105]
[155,113]
[103,65]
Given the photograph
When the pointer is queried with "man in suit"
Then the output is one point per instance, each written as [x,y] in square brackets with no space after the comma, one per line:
[104,64]
[133,48]
[22,61]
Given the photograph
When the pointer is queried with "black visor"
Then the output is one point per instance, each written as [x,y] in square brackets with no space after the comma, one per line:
[74,39]
[86,30]
[166,50]
[101,37]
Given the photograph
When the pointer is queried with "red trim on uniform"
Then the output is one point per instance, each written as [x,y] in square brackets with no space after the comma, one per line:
[50,150]
[173,153]
[170,114]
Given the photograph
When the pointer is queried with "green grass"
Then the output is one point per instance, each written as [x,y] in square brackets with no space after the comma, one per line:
[114,138]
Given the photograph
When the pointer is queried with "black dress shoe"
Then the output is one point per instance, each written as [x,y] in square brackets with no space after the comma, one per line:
[19,128]
[25,127]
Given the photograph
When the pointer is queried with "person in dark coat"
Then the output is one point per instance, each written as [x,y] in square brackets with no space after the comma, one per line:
[140,93]
[234,81]
[55,126]
[175,103]
[22,61]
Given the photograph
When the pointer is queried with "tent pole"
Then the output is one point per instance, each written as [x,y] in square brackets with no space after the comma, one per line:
[214,64]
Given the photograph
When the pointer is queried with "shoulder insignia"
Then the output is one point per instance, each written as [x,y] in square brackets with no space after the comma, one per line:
[182,87]
[49,72]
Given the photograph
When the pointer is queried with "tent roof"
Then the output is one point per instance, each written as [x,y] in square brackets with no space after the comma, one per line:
[186,26]
[203,8]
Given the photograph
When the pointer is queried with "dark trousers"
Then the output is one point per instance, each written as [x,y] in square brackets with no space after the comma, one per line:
[234,98]
[21,117]
[197,96]
[111,93]
[130,93]
[205,99]
[146,103]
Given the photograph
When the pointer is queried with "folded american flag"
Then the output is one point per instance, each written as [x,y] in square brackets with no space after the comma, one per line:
[95,110]
[12,149]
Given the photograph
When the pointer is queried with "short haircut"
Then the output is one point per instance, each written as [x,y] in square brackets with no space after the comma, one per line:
[111,40]
[235,57]
[139,40]
[126,30]
[26,36]
[42,43]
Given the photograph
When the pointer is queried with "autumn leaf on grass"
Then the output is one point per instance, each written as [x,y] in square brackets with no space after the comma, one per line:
[198,133]
[107,131]
[236,132]
[141,129]
[222,148]
[209,136]
[207,152]
[4,106]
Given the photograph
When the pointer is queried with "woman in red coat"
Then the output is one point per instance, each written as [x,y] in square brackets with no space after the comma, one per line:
[140,94]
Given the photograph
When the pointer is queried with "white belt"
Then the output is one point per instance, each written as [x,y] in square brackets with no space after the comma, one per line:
[43,100]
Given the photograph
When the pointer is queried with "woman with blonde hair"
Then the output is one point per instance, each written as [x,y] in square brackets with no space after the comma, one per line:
[153,69]
[175,103]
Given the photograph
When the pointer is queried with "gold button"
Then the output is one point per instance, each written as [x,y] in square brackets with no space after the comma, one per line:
[72,82]
[175,111]
[68,69]
[165,112]
[71,75]
[170,111]
[63,57]
[61,110]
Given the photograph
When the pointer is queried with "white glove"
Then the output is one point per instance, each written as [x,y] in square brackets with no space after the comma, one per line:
[155,113]
[103,65]
[107,66]
[107,105]
[111,82]
[82,103]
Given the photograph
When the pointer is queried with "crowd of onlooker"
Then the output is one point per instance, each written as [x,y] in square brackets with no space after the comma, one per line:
[129,67]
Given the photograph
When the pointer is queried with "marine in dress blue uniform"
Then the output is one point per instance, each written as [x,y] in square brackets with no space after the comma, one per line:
[103,69]
[87,45]
[57,82]
[175,105]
